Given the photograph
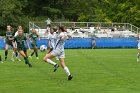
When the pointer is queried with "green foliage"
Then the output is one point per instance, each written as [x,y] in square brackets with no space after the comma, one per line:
[20,12]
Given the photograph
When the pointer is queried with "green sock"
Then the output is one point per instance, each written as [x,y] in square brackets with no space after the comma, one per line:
[6,53]
[36,53]
[138,55]
[32,53]
[26,60]
[0,58]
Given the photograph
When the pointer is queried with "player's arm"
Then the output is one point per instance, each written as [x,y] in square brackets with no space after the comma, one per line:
[28,45]
[4,37]
[63,37]
[38,36]
[49,44]
[13,42]
[26,40]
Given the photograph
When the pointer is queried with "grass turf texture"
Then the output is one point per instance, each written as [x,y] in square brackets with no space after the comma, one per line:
[94,71]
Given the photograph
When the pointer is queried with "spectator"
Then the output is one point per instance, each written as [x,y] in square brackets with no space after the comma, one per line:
[48,21]
[115,28]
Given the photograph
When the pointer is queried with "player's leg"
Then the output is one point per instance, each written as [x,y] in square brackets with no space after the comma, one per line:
[0,59]
[13,55]
[6,50]
[66,69]
[32,52]
[48,58]
[16,54]
[25,58]
[138,55]
[36,52]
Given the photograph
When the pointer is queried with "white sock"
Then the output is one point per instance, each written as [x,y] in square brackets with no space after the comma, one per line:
[13,54]
[67,70]
[51,62]
[18,55]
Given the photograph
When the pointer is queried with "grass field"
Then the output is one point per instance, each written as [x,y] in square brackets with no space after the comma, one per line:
[94,71]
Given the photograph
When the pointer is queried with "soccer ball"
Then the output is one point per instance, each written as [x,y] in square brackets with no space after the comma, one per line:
[43,48]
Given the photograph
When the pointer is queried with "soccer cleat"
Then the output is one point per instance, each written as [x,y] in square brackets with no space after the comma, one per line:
[55,67]
[37,57]
[5,58]
[18,59]
[137,59]
[30,57]
[1,62]
[30,65]
[12,59]
[70,77]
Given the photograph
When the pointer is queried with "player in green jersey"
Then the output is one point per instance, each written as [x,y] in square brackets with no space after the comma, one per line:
[20,38]
[9,40]
[33,39]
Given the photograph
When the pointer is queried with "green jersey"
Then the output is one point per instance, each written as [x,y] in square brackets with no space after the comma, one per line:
[20,41]
[9,36]
[33,37]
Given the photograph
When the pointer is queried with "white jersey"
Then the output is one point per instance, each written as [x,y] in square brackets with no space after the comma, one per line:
[138,41]
[59,42]
[16,34]
[15,41]
[52,40]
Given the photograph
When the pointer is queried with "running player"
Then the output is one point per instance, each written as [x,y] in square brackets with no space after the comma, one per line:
[0,59]
[58,51]
[20,38]
[13,54]
[33,39]
[52,41]
[138,54]
[9,38]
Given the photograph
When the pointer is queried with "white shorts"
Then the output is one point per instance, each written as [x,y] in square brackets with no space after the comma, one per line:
[138,45]
[58,53]
[15,43]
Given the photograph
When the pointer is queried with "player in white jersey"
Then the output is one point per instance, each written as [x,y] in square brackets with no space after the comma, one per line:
[138,55]
[58,51]
[14,54]
[52,41]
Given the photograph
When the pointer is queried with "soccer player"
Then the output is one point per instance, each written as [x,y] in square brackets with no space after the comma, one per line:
[0,59]
[20,38]
[138,54]
[33,39]
[52,41]
[58,51]
[9,38]
[13,54]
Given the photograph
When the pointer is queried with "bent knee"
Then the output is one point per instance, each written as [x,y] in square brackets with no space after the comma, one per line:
[45,59]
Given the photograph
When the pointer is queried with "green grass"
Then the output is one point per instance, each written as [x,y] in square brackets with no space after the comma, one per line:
[94,71]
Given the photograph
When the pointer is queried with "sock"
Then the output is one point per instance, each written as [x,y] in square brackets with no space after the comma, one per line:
[13,54]
[32,53]
[6,53]
[16,53]
[36,53]
[0,58]
[51,62]
[26,60]
[67,70]
[138,55]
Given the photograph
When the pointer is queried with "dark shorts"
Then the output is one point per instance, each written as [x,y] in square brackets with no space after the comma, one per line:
[9,42]
[34,45]
[22,49]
